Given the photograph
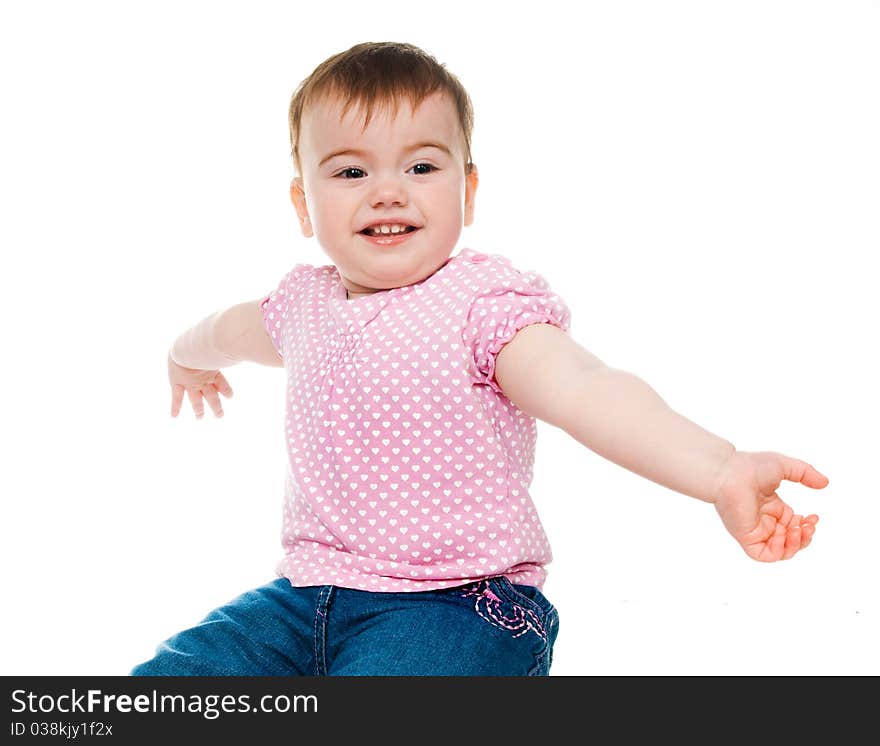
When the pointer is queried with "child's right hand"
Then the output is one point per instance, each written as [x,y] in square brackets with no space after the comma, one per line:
[197,384]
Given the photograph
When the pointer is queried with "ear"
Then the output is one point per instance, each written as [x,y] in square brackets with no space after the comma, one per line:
[471,181]
[298,197]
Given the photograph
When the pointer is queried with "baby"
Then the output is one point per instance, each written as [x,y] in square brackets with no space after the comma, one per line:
[414,379]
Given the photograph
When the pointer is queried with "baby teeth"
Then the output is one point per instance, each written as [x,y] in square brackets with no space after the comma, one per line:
[377,229]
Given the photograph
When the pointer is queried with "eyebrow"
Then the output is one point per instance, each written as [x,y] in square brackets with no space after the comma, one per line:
[362,153]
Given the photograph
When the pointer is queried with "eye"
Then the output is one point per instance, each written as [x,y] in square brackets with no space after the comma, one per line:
[428,166]
[350,170]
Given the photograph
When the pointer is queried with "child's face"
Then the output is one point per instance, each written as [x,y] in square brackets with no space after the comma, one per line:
[339,194]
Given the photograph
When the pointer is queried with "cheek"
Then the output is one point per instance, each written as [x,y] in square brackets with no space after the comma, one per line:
[449,199]
[454,207]
[330,213]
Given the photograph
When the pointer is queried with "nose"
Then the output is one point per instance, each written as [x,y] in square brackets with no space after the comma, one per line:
[388,190]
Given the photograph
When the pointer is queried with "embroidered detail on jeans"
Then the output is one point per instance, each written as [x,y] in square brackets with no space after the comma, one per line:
[490,608]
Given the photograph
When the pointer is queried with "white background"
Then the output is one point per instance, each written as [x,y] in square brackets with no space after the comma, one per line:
[698,180]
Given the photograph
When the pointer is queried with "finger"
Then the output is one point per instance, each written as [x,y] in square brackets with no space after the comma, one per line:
[792,541]
[176,399]
[807,530]
[776,544]
[222,385]
[213,400]
[795,470]
[195,398]
[787,514]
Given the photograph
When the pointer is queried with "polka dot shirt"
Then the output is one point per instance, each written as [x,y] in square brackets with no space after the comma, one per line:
[408,467]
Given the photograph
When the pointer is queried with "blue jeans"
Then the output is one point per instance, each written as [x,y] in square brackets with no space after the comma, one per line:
[486,628]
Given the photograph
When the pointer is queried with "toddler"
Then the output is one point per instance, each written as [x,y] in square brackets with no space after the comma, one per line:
[414,378]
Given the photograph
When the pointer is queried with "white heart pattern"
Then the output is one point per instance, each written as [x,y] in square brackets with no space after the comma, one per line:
[393,417]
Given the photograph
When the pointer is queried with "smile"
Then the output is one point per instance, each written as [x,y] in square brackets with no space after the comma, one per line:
[388,239]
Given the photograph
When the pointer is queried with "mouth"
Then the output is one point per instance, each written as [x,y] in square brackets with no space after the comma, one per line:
[388,239]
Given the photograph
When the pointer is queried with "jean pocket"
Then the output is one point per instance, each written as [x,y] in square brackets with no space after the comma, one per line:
[537,607]
[528,596]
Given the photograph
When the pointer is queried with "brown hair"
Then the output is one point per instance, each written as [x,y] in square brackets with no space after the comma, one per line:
[379,73]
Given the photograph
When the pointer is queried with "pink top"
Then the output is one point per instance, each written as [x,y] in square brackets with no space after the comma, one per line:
[408,467]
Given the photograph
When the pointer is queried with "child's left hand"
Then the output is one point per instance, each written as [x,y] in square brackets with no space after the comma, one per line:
[766,528]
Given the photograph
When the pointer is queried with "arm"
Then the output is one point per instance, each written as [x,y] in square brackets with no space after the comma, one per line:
[226,338]
[217,341]
[613,413]
[617,415]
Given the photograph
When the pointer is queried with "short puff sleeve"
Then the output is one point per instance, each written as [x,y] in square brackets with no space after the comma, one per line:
[276,306]
[509,301]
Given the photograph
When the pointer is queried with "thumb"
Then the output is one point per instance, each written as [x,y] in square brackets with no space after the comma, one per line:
[795,470]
